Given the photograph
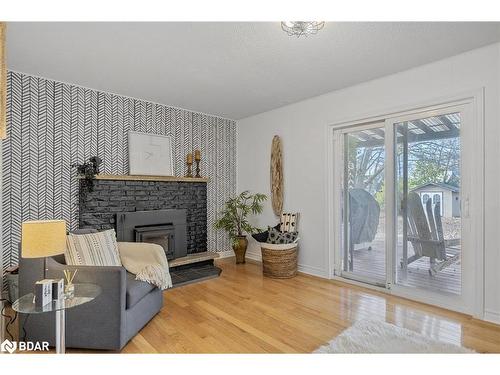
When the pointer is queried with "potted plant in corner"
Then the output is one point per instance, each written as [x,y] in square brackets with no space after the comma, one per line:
[234,220]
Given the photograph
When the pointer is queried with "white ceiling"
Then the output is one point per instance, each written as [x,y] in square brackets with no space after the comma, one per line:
[232,70]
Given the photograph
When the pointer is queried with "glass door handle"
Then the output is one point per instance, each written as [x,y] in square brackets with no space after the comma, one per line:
[466,207]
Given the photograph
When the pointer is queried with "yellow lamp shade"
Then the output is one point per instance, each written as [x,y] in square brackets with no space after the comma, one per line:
[43,238]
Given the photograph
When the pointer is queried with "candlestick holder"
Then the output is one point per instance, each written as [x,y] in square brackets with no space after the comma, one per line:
[189,170]
[197,169]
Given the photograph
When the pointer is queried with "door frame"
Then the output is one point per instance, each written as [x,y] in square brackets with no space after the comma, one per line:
[474,98]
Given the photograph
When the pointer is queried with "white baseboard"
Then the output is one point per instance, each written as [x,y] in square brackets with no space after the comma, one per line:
[226,254]
[492,316]
[254,256]
[314,271]
[310,270]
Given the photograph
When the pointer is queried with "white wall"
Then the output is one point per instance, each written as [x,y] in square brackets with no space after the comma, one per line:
[302,127]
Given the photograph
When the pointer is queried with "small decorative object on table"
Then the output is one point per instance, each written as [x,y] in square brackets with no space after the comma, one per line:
[189,162]
[58,289]
[234,220]
[43,292]
[69,288]
[197,158]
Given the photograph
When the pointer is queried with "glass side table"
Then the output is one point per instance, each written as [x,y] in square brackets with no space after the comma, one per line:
[83,293]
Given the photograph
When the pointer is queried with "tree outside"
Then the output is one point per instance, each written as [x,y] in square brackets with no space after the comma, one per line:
[433,161]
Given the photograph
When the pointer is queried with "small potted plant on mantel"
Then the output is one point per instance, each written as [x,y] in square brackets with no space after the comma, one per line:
[234,220]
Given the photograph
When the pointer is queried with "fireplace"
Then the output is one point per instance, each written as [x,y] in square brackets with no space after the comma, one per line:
[98,209]
[166,228]
[163,235]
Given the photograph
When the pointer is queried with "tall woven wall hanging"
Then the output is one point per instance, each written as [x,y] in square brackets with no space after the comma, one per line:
[276,176]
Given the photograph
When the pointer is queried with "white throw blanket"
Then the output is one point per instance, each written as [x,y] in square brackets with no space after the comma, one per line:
[147,262]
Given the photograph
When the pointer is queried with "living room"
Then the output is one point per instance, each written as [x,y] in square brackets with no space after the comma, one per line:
[233,186]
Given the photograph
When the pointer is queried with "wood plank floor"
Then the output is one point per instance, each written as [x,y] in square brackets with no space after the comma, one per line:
[243,312]
[371,264]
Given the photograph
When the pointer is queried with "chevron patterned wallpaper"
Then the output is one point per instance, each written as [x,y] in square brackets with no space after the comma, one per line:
[52,125]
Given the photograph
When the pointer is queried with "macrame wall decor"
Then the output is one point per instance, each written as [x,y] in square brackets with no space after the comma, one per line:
[276,176]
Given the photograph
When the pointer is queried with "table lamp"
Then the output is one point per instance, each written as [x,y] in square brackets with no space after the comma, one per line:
[42,239]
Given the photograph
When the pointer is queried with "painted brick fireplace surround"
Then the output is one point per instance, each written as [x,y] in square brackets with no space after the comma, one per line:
[98,208]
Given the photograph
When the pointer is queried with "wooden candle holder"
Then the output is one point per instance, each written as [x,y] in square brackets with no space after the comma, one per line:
[197,169]
[189,162]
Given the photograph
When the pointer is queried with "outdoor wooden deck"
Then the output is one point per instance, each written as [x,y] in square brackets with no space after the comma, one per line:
[371,263]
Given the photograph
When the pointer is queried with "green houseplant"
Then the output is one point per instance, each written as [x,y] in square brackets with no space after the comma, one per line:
[234,220]
[87,171]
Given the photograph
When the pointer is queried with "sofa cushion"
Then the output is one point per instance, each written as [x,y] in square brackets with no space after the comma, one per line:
[136,290]
[277,237]
[93,249]
[62,258]
[262,236]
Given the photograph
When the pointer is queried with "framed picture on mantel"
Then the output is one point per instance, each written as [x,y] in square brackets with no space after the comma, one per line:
[150,154]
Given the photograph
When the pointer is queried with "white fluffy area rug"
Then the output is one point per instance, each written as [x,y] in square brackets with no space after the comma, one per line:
[368,336]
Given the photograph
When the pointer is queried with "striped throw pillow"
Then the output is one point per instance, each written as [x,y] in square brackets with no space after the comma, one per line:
[93,249]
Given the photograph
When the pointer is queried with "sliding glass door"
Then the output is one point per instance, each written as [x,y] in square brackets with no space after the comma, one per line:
[404,197]
[428,176]
[363,210]
[432,254]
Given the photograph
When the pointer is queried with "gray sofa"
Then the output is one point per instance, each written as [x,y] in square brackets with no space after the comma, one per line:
[123,308]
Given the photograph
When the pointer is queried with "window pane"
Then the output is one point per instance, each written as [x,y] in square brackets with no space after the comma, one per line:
[428,203]
[364,217]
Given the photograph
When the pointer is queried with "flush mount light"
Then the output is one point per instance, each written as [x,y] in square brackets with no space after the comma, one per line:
[299,28]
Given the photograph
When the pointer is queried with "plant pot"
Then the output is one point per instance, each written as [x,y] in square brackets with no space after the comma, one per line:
[240,248]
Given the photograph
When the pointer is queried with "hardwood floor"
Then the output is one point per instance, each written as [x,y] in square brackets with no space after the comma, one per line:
[371,263]
[243,312]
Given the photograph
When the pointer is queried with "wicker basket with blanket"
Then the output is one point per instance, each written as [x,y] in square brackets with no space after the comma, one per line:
[279,260]
[279,248]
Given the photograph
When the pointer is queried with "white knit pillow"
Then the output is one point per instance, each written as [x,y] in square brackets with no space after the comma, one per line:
[93,249]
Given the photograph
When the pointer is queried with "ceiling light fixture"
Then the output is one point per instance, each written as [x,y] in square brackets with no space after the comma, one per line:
[299,28]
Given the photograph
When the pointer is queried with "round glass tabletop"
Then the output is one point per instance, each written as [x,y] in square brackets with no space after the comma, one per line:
[83,293]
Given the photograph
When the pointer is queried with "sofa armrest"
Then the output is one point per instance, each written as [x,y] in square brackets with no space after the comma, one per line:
[111,279]
[106,314]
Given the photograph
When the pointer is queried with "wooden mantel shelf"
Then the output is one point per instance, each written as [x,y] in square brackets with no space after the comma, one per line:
[148,178]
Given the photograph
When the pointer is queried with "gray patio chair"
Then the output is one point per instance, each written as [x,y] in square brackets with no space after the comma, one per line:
[425,233]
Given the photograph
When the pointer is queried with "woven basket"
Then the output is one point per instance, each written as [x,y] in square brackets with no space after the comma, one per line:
[279,263]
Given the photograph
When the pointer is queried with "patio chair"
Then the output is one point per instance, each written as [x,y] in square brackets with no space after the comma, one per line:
[425,233]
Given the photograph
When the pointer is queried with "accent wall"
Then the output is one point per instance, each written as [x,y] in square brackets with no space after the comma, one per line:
[52,125]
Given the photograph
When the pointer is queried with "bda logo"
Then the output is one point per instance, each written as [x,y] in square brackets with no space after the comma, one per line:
[8,346]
